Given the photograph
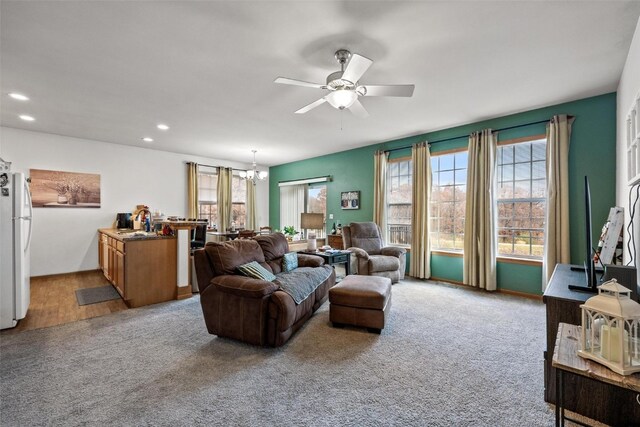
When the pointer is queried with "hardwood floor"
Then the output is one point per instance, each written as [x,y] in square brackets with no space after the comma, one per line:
[53,301]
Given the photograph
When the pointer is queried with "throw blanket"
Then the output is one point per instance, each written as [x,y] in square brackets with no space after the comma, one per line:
[299,283]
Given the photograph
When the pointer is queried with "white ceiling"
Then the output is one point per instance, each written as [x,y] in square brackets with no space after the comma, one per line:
[110,71]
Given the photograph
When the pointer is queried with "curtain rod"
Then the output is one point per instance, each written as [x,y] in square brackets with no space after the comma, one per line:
[466,136]
[211,166]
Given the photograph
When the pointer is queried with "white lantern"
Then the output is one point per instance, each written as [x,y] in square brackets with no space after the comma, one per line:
[611,329]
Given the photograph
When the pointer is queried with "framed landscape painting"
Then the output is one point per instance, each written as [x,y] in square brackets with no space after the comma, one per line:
[350,200]
[57,189]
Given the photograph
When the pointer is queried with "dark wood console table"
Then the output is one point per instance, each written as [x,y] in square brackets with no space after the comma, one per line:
[566,359]
[600,401]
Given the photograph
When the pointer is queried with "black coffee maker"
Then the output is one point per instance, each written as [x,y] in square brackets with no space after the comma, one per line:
[123,220]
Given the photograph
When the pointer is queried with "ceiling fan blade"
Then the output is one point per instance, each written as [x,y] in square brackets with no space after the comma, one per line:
[356,67]
[388,90]
[357,109]
[311,106]
[287,81]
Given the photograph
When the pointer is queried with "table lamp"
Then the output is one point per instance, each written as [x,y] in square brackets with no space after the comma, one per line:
[311,221]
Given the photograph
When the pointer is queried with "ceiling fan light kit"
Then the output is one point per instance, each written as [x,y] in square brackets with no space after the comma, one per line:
[343,85]
[342,98]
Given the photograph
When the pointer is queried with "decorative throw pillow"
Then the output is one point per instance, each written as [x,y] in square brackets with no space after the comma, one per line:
[289,261]
[255,270]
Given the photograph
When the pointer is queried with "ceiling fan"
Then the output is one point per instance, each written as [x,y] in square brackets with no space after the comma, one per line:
[343,86]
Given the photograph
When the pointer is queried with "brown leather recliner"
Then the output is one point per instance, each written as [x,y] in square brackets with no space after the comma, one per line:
[251,310]
[373,258]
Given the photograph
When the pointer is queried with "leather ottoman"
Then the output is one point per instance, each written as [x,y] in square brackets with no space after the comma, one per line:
[360,301]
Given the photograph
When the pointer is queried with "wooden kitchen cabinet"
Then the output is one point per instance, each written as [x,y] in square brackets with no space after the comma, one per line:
[143,270]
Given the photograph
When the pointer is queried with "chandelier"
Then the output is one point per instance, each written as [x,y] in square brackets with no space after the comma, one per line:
[253,174]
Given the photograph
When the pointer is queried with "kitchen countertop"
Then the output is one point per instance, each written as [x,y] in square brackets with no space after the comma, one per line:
[128,235]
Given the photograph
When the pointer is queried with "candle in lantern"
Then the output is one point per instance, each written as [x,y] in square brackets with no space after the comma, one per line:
[610,339]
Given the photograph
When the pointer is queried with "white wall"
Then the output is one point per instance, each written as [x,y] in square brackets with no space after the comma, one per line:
[627,90]
[66,240]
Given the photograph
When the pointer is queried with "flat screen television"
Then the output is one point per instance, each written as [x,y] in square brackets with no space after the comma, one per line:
[589,268]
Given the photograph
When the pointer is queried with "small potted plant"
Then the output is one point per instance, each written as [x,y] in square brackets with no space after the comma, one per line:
[289,231]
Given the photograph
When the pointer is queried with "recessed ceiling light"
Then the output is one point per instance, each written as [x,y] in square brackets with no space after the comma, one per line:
[26,118]
[163,127]
[19,96]
[147,139]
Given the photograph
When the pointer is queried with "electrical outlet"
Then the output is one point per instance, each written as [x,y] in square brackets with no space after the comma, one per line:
[330,216]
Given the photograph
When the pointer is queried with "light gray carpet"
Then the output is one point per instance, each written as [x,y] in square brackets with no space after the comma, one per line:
[448,357]
[88,296]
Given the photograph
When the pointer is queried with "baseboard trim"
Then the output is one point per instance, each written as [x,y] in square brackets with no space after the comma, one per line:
[520,294]
[69,274]
[501,291]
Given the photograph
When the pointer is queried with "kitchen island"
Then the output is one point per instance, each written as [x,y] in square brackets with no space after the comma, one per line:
[141,266]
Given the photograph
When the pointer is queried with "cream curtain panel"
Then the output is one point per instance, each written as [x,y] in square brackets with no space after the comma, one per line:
[292,205]
[556,230]
[480,240]
[420,265]
[225,176]
[192,190]
[381,159]
[251,206]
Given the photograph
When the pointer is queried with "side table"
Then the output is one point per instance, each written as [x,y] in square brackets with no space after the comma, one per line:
[332,258]
[335,241]
[566,359]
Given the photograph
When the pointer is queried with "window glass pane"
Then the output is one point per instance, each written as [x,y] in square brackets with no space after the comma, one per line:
[522,189]
[460,176]
[446,178]
[538,188]
[523,171]
[538,151]
[523,152]
[446,194]
[459,242]
[446,162]
[505,191]
[538,170]
[506,154]
[404,168]
[505,173]
[461,159]
[434,163]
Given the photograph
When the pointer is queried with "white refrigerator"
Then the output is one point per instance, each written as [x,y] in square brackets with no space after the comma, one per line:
[15,236]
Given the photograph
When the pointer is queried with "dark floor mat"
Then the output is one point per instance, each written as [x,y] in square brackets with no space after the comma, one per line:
[88,296]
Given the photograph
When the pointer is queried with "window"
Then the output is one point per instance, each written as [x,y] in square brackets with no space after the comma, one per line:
[238,201]
[207,194]
[448,200]
[521,176]
[317,203]
[399,197]
[302,198]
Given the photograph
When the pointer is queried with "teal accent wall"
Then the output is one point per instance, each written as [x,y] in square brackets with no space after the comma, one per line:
[592,153]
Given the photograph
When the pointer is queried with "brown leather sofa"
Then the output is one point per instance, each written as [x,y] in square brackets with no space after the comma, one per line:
[252,310]
[364,240]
